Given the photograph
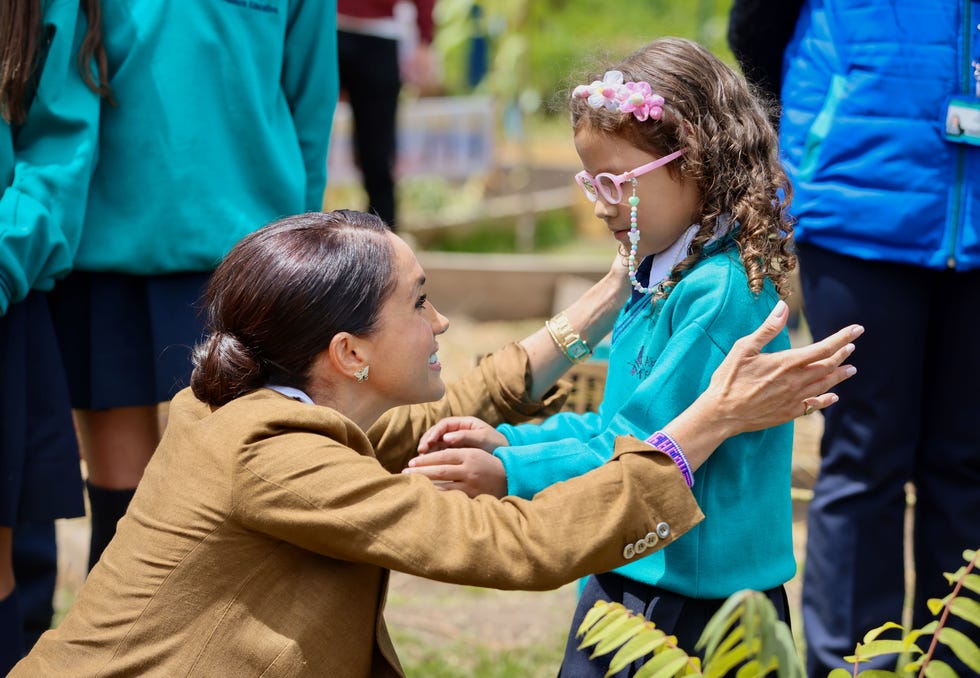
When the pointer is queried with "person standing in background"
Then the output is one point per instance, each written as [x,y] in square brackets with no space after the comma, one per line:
[49,101]
[888,204]
[371,74]
[222,121]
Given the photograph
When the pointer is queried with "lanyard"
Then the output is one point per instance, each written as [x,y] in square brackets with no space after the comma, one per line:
[972,23]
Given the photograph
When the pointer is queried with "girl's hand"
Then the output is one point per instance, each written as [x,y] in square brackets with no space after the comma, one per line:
[471,470]
[456,432]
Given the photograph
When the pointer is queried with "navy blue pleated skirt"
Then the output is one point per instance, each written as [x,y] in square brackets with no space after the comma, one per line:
[673,613]
[40,474]
[126,340]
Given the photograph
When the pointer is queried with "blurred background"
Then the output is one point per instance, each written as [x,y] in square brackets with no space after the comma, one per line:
[485,160]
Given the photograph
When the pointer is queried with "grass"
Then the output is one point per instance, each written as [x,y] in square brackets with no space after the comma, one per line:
[466,660]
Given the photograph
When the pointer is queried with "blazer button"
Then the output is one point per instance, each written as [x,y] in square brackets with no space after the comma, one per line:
[628,552]
[651,539]
[640,546]
[663,530]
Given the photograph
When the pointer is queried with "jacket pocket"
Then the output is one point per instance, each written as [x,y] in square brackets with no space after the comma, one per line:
[820,129]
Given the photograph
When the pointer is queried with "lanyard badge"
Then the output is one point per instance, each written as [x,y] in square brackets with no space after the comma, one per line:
[962,119]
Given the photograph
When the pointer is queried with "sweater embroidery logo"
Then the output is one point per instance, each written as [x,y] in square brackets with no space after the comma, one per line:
[642,365]
[266,7]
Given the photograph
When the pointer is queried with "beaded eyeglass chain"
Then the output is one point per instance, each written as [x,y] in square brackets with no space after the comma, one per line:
[634,236]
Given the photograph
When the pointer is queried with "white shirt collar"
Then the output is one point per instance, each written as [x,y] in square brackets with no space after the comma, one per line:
[291,392]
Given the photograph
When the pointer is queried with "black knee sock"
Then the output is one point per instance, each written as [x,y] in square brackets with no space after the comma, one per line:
[108,506]
[11,632]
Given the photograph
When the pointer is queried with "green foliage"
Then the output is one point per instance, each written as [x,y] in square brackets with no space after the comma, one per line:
[746,636]
[537,46]
[551,229]
[466,657]
[912,659]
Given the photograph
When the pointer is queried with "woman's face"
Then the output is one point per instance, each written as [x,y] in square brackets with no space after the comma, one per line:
[404,366]
[667,205]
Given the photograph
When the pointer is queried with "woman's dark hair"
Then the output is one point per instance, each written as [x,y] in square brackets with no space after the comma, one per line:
[281,294]
[21,44]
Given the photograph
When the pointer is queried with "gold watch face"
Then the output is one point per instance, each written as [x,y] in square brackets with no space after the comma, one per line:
[577,349]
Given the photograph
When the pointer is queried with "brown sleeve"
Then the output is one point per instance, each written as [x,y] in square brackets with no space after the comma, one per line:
[330,500]
[496,391]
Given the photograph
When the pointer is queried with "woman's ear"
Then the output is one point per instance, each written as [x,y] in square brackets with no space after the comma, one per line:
[348,354]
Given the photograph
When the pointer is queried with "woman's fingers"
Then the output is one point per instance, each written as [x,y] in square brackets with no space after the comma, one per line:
[766,332]
[811,405]
[829,348]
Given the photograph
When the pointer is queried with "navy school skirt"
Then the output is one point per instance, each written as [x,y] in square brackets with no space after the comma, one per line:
[40,475]
[673,613]
[126,340]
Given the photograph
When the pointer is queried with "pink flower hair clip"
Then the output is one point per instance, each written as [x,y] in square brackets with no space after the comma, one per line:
[615,95]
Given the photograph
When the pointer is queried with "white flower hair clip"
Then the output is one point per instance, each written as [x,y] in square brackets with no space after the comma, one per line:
[615,95]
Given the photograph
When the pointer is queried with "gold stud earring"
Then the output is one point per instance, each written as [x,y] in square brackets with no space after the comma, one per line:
[362,374]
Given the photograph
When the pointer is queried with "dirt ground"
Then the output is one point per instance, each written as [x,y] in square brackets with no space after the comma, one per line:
[433,613]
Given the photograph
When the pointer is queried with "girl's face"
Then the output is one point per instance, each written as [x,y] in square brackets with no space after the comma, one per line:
[667,205]
[405,368]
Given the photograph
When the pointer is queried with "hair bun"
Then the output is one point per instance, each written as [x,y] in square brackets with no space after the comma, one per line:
[225,368]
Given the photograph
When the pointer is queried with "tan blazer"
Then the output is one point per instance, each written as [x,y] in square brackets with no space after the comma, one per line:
[260,539]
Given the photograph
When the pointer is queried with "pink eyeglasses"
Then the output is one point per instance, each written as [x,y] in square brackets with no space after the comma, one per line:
[610,186]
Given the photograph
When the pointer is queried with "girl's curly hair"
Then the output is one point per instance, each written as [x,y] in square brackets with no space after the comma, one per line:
[731,152]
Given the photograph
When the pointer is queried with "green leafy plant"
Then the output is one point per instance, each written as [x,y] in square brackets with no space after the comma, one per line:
[957,603]
[745,634]
[746,637]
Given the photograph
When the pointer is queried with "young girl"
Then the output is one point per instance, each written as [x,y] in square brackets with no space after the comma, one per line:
[47,145]
[682,166]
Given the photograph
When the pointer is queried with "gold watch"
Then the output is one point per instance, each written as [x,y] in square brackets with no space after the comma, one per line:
[567,339]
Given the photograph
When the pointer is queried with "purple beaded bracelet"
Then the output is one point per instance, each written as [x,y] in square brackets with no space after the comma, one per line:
[669,446]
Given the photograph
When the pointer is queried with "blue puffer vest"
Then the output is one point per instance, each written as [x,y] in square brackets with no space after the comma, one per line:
[862,130]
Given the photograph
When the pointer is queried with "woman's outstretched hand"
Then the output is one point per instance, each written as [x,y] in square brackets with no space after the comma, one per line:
[755,390]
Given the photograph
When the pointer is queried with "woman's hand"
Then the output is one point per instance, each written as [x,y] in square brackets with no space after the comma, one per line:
[756,390]
[471,470]
[752,390]
[455,432]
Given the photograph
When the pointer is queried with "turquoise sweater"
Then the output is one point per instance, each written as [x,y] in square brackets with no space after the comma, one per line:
[223,117]
[659,362]
[45,165]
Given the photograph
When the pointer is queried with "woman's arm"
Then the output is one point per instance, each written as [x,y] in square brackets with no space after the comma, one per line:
[591,316]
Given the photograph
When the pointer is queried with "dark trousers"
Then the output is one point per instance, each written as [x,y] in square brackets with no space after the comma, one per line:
[910,414]
[370,76]
[36,572]
[673,613]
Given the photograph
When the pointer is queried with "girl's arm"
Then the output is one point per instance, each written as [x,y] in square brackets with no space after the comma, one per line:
[749,391]
[46,165]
